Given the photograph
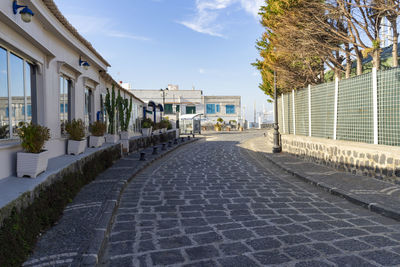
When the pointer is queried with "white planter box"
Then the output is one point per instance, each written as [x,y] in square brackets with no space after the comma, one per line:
[76,147]
[125,144]
[31,164]
[124,135]
[146,131]
[96,141]
[112,138]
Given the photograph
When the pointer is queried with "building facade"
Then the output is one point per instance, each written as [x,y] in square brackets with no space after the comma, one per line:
[49,74]
[180,102]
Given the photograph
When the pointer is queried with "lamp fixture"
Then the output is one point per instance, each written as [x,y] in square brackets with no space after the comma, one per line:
[84,64]
[26,13]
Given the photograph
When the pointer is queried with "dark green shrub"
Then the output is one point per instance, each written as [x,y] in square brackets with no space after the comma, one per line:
[33,137]
[97,128]
[75,129]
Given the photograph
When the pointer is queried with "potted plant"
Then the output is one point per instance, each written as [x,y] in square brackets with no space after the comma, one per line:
[125,111]
[76,140]
[110,105]
[147,127]
[33,161]
[218,125]
[97,129]
[3,131]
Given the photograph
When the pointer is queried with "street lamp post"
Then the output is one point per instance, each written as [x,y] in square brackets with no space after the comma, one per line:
[277,148]
[162,92]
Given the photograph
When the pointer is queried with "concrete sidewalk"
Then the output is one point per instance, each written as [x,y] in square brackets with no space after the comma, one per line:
[373,194]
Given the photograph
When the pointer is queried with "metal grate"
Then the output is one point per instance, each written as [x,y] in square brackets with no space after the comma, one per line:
[355,112]
[280,121]
[301,111]
[389,107]
[288,113]
[322,110]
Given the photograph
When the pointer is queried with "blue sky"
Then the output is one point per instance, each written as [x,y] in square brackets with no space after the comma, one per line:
[208,44]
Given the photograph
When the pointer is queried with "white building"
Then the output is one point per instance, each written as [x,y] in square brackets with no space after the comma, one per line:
[48,74]
[179,102]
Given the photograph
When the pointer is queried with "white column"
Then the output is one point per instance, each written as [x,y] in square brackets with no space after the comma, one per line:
[309,110]
[335,107]
[283,114]
[294,114]
[375,103]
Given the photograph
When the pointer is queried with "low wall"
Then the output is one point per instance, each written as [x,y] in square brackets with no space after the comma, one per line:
[379,161]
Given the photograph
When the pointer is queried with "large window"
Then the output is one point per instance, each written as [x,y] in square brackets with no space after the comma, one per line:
[88,106]
[210,108]
[65,102]
[190,110]
[16,92]
[230,109]
[168,109]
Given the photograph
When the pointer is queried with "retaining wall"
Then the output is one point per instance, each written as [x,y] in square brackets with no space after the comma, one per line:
[379,161]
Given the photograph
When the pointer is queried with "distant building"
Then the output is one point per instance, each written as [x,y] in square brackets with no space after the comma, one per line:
[178,102]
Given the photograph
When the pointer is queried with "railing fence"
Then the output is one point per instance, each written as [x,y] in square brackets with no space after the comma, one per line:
[365,108]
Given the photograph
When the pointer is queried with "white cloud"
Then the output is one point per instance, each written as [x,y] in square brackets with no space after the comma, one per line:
[207,13]
[100,26]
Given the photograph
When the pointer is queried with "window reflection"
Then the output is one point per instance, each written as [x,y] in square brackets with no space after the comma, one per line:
[64,99]
[17,91]
[4,120]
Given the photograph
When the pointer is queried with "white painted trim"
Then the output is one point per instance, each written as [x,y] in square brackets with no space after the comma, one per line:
[294,114]
[335,108]
[375,103]
[309,110]
[25,91]
[283,114]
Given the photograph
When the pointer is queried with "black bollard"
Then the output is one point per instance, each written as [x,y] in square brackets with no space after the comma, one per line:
[163,146]
[169,144]
[188,137]
[142,156]
[175,141]
[182,139]
[193,135]
[154,150]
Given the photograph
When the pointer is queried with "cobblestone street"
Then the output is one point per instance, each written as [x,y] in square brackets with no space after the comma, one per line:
[214,203]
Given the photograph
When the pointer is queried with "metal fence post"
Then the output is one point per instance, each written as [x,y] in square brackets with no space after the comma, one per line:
[375,103]
[294,114]
[283,115]
[309,110]
[335,108]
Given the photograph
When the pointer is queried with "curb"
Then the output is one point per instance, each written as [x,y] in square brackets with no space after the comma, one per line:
[355,199]
[96,244]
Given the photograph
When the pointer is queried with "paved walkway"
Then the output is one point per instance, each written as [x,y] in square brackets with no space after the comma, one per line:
[377,195]
[77,238]
[213,203]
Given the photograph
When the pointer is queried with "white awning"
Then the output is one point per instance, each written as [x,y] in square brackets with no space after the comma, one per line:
[190,116]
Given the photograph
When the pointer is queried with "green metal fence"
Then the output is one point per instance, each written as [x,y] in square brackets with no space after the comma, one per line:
[389,107]
[322,110]
[355,111]
[365,108]
[301,112]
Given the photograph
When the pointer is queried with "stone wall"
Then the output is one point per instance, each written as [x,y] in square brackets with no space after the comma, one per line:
[379,161]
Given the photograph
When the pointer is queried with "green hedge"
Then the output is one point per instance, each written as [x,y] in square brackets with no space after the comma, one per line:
[19,232]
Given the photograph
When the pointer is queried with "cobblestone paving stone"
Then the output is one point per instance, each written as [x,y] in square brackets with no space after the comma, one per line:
[213,204]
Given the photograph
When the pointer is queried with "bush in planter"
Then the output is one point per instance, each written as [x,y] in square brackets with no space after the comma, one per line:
[33,137]
[34,160]
[76,132]
[98,128]
[75,129]
[147,123]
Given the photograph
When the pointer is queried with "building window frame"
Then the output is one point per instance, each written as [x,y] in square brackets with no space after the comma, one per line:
[210,109]
[230,109]
[28,86]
